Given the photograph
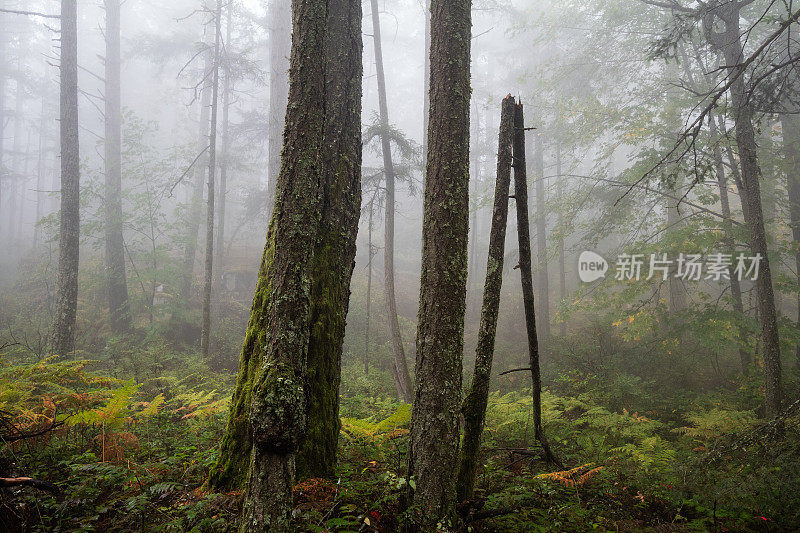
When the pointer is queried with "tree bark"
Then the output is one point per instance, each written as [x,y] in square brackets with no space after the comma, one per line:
[474,406]
[729,42]
[280,41]
[526,274]
[335,249]
[433,450]
[69,225]
[118,304]
[402,376]
[279,330]
[205,332]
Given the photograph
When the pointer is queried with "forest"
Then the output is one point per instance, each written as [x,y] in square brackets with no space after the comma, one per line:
[399,265]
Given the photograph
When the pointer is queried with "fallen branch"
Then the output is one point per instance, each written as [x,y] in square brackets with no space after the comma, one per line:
[10,482]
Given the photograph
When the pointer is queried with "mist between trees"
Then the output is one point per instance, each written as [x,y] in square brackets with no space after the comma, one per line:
[314,265]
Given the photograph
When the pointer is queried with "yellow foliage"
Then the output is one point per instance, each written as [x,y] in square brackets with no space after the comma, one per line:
[574,477]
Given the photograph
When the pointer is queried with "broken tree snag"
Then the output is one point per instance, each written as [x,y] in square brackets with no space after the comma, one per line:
[474,406]
[523,231]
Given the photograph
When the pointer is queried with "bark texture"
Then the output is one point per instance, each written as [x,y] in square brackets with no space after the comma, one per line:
[474,406]
[526,274]
[402,377]
[729,42]
[335,249]
[118,306]
[69,225]
[279,329]
[433,453]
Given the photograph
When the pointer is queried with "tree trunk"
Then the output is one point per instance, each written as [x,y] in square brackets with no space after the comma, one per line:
[118,305]
[205,332]
[562,262]
[730,43]
[526,273]
[474,406]
[730,242]
[473,225]
[336,243]
[280,41]
[223,165]
[40,170]
[69,225]
[402,376]
[279,330]
[433,450]
[791,145]
[369,286]
[541,238]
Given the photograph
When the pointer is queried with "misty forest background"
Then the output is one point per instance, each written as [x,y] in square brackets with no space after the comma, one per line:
[661,126]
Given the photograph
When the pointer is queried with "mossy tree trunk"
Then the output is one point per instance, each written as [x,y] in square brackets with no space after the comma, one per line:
[69,223]
[433,452]
[280,330]
[336,244]
[332,48]
[474,406]
[526,273]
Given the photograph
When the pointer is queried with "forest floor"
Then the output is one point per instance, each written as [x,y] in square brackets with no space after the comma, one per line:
[135,458]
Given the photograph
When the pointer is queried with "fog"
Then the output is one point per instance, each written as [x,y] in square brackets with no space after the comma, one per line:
[637,149]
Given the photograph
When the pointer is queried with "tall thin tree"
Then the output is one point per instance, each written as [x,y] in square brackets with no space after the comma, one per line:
[225,159]
[401,374]
[118,304]
[728,41]
[205,332]
[69,225]
[543,276]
